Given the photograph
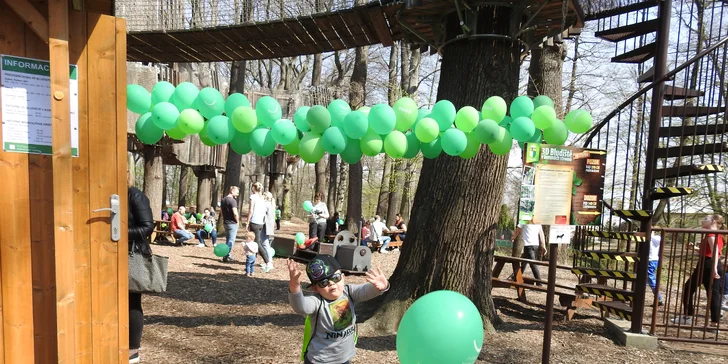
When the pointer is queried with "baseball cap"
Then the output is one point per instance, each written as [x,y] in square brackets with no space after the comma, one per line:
[321,267]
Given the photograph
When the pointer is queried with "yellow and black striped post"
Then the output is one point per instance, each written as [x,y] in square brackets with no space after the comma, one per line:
[616,274]
[606,255]
[637,215]
[669,192]
[616,235]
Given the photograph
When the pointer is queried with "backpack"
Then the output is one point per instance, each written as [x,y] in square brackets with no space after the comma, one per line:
[308,332]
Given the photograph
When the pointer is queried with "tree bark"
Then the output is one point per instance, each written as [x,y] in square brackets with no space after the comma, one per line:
[316,73]
[395,184]
[153,176]
[404,207]
[204,189]
[545,72]
[333,184]
[449,243]
[357,99]
[186,179]
[320,172]
[343,174]
[383,200]
[392,89]
[234,163]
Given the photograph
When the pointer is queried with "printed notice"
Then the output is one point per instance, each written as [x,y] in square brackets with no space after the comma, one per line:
[26,105]
[553,194]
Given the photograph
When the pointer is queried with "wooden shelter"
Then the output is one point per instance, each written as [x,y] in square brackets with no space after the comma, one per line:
[63,281]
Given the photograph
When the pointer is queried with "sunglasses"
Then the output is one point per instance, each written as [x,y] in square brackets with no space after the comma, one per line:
[336,278]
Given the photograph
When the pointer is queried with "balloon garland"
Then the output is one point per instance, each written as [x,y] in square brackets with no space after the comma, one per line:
[400,131]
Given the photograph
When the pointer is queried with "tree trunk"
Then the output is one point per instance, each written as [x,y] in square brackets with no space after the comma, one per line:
[343,174]
[404,207]
[449,243]
[383,200]
[395,184]
[165,187]
[333,184]
[234,163]
[392,89]
[285,199]
[357,99]
[316,73]
[186,180]
[153,176]
[545,73]
[320,171]
[204,189]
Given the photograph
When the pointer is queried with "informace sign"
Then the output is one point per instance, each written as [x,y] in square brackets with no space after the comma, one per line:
[26,105]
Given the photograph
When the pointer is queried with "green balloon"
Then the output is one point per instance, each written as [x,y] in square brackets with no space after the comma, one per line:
[161,92]
[542,100]
[427,130]
[352,153]
[494,108]
[413,145]
[300,238]
[268,111]
[292,147]
[299,118]
[444,113]
[338,109]
[190,121]
[440,327]
[356,124]
[487,131]
[382,119]
[184,96]
[522,129]
[210,102]
[176,133]
[138,99]
[472,148]
[543,116]
[334,140]
[205,139]
[536,138]
[310,148]
[432,149]
[244,119]
[261,141]
[395,144]
[222,250]
[208,227]
[405,111]
[220,129]
[284,131]
[371,143]
[241,143]
[578,121]
[146,131]
[165,115]
[234,101]
[453,141]
[503,145]
[506,122]
[365,110]
[319,119]
[556,134]
[521,106]
[467,119]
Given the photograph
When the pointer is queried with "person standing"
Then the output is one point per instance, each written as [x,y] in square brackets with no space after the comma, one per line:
[231,219]
[268,232]
[140,227]
[534,245]
[317,219]
[654,261]
[256,217]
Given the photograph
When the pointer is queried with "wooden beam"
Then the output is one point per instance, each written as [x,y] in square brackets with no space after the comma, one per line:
[380,26]
[65,260]
[35,20]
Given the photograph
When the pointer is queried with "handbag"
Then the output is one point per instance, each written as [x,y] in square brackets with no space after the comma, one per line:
[147,274]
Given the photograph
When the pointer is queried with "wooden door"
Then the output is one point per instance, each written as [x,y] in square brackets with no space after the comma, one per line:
[63,290]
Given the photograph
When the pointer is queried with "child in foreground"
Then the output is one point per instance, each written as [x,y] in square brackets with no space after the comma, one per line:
[251,249]
[331,310]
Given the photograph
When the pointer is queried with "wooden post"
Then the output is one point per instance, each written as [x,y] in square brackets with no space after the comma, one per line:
[62,180]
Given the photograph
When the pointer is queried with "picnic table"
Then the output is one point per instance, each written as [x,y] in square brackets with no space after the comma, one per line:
[163,229]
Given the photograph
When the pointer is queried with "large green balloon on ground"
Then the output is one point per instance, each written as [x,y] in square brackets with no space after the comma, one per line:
[268,111]
[472,148]
[146,131]
[556,134]
[503,145]
[284,132]
[427,130]
[405,110]
[395,144]
[334,140]
[261,141]
[432,149]
[318,118]
[299,118]
[210,102]
[244,119]
[487,131]
[234,101]
[494,108]
[382,119]
[190,121]
[542,100]
[522,129]
[371,143]
[161,92]
[338,109]
[543,116]
[453,141]
[241,143]
[413,145]
[352,154]
[521,106]
[578,121]
[221,250]
[176,133]
[467,119]
[292,147]
[220,129]
[441,327]
[310,148]
[184,96]
[444,113]
[356,124]
[165,115]
[138,99]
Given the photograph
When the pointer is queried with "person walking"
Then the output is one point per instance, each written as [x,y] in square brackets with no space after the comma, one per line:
[256,217]
[534,245]
[140,227]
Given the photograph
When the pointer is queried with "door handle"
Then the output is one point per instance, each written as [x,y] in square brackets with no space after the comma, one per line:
[115,218]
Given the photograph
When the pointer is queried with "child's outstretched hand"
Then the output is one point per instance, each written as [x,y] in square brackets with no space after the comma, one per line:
[376,278]
[295,276]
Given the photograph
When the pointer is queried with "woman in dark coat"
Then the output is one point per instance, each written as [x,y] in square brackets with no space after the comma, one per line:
[141,225]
